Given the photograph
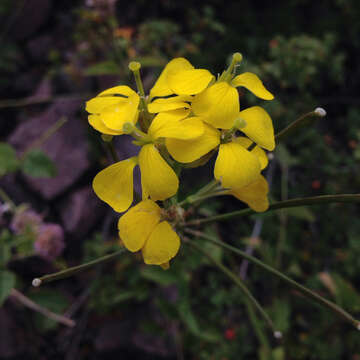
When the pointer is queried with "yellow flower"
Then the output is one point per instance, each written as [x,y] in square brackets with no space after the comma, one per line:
[112,108]
[141,228]
[114,184]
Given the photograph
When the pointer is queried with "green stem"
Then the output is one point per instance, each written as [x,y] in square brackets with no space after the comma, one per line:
[302,121]
[6,198]
[304,290]
[237,281]
[45,135]
[202,194]
[314,200]
[76,269]
[111,148]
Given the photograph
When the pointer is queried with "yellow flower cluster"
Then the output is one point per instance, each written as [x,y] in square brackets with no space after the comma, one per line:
[189,115]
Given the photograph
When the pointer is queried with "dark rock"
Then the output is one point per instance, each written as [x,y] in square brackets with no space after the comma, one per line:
[152,344]
[30,17]
[39,47]
[113,334]
[12,339]
[68,148]
[80,211]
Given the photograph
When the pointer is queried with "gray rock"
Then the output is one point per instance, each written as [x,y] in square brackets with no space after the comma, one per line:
[68,147]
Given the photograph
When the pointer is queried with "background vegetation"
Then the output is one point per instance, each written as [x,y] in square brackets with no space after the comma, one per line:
[57,54]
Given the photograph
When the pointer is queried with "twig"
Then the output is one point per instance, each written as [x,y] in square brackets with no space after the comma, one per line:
[40,309]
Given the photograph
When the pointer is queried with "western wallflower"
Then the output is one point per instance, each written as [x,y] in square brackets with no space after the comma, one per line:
[112,108]
[156,239]
[114,184]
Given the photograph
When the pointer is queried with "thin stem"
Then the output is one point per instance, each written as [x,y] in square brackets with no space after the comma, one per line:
[304,290]
[40,309]
[76,269]
[302,121]
[237,281]
[314,200]
[45,135]
[14,103]
[111,148]
[6,198]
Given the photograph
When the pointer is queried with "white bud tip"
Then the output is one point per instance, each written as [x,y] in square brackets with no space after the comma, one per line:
[320,111]
[278,334]
[36,282]
[270,156]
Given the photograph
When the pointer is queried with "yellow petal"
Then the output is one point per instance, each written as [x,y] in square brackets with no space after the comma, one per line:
[254,84]
[169,127]
[254,194]
[189,82]
[162,245]
[218,105]
[187,151]
[104,99]
[114,117]
[96,122]
[259,127]
[98,104]
[119,90]
[157,177]
[114,185]
[161,87]
[136,225]
[257,150]
[235,166]
[171,103]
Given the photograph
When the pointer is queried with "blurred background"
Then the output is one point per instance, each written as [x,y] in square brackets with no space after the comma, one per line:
[55,55]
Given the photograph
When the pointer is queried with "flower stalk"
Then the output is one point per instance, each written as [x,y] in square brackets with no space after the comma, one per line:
[304,290]
[314,200]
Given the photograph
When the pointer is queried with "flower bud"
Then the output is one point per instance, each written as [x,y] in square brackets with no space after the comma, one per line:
[320,111]
[50,241]
[237,57]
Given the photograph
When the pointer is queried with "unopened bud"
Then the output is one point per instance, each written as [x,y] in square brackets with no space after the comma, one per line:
[134,66]
[106,137]
[128,128]
[237,57]
[36,282]
[320,111]
[278,334]
[240,123]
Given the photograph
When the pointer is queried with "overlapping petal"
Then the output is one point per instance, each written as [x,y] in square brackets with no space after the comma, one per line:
[218,105]
[187,151]
[158,179]
[235,166]
[147,213]
[259,127]
[161,87]
[258,151]
[96,122]
[170,127]
[170,103]
[189,82]
[254,194]
[115,116]
[252,82]
[114,184]
[162,245]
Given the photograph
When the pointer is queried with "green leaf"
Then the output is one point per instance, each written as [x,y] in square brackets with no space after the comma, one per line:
[7,282]
[108,67]
[8,160]
[158,275]
[301,213]
[37,164]
[52,300]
